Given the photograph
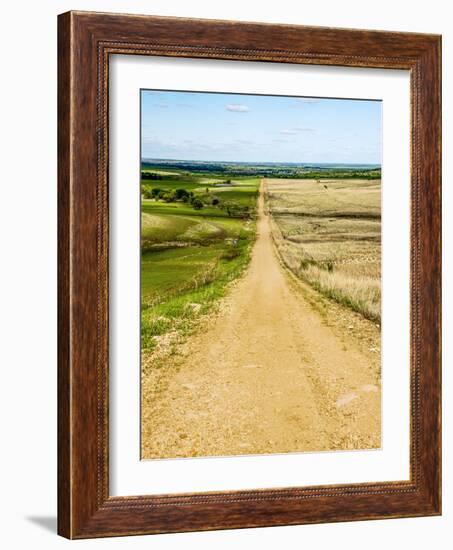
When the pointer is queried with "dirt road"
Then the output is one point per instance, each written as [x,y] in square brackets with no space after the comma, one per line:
[278,369]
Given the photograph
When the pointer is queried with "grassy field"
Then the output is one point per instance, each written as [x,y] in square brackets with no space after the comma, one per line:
[328,232]
[193,244]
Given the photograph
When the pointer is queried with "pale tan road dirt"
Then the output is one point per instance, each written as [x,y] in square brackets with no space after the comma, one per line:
[278,369]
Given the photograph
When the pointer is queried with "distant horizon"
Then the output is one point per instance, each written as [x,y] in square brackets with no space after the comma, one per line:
[260,162]
[218,127]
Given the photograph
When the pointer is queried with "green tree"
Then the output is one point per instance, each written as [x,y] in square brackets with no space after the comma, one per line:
[146,192]
[168,196]
[181,193]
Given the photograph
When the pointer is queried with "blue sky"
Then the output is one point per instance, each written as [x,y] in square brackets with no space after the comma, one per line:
[253,128]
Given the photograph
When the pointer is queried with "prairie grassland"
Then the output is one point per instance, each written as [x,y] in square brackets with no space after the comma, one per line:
[328,232]
[189,256]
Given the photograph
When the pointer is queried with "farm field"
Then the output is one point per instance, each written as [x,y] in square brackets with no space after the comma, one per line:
[276,367]
[192,245]
[328,233]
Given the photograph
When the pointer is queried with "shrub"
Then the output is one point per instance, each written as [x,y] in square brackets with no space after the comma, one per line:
[168,196]
[215,201]
[230,253]
[155,192]
[197,204]
[180,194]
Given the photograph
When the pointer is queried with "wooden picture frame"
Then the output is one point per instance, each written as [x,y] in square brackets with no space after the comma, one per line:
[85,41]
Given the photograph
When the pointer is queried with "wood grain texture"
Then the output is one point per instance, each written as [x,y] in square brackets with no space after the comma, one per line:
[85,42]
[64,367]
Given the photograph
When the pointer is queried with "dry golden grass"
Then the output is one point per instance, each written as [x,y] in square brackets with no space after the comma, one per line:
[329,234]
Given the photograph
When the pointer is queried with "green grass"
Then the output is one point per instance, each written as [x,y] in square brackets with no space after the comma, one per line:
[173,182]
[190,256]
[180,209]
[196,182]
[242,194]
[180,307]
[167,226]
[166,272]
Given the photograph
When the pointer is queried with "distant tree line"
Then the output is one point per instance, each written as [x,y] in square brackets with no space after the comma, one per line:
[233,209]
[167,195]
[151,176]
[268,170]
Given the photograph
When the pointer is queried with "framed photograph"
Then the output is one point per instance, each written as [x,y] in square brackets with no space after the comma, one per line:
[249,275]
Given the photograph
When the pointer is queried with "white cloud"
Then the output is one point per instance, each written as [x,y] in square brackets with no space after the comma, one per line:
[295,131]
[237,108]
[308,100]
